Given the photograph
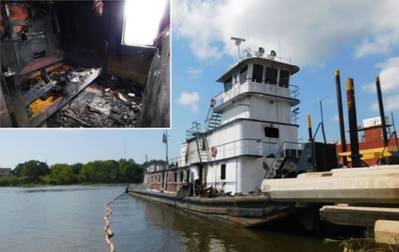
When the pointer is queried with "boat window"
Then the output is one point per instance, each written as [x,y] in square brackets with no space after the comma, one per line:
[228,84]
[223,171]
[271,76]
[271,132]
[257,73]
[243,74]
[284,78]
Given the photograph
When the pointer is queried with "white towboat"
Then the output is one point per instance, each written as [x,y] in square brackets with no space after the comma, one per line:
[245,163]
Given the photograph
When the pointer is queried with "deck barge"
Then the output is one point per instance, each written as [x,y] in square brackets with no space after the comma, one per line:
[249,210]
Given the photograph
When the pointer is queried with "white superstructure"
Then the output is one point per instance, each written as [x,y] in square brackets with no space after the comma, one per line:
[249,129]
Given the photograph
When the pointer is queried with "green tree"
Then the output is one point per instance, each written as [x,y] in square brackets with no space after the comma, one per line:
[76,168]
[32,170]
[100,172]
[130,171]
[8,181]
[62,174]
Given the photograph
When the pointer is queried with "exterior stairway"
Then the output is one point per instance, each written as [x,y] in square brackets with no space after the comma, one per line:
[213,121]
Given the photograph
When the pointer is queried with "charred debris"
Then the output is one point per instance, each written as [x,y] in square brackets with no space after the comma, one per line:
[63,65]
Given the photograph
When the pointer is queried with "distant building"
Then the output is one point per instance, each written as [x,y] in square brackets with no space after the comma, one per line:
[5,172]
[371,143]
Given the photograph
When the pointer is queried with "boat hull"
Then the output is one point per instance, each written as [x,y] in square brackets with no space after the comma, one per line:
[248,210]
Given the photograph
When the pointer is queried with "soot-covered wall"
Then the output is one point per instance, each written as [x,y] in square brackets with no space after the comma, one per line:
[87,37]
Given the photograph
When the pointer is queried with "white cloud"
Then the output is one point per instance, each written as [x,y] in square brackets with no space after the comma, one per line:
[381,45]
[308,31]
[190,100]
[194,73]
[389,76]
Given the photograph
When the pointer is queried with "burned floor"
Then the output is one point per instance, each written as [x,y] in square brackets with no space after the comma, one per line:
[98,106]
[64,65]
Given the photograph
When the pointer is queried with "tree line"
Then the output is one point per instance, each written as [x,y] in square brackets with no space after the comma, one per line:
[109,171]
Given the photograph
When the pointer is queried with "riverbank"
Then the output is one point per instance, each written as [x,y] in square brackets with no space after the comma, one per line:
[33,173]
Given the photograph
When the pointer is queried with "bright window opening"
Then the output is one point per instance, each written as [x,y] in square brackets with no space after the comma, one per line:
[142,19]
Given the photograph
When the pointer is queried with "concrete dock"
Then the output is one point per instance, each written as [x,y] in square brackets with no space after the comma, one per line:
[365,197]
[372,185]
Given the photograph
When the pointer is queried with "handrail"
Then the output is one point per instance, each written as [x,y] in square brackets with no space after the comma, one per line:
[282,147]
[293,90]
[250,146]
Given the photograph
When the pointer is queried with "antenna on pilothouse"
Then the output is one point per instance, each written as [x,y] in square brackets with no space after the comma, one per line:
[237,42]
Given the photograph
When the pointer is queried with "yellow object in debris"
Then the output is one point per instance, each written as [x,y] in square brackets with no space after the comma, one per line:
[39,105]
[371,153]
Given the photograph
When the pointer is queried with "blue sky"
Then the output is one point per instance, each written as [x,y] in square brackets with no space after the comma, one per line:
[337,36]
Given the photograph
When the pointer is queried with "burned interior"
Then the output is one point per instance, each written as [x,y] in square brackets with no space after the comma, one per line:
[70,64]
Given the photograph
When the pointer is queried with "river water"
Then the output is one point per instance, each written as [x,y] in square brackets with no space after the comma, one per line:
[70,218]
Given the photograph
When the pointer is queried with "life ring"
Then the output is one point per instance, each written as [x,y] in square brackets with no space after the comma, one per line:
[214,151]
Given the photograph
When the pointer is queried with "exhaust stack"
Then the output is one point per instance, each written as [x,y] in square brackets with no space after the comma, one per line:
[309,124]
[382,113]
[341,116]
[350,96]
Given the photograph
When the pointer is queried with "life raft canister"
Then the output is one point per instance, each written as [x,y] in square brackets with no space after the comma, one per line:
[214,151]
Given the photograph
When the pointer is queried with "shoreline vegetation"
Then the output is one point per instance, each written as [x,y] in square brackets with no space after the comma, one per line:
[35,173]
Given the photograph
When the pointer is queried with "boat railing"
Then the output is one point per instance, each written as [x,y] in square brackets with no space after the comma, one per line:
[290,91]
[284,149]
[241,147]
[292,146]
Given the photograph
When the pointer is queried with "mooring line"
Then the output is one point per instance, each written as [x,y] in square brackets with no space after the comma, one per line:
[107,226]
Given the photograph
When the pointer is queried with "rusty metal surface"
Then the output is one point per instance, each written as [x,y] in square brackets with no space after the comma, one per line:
[243,210]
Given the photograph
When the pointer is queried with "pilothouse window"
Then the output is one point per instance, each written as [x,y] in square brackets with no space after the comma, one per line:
[243,74]
[257,73]
[271,76]
[228,84]
[284,78]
